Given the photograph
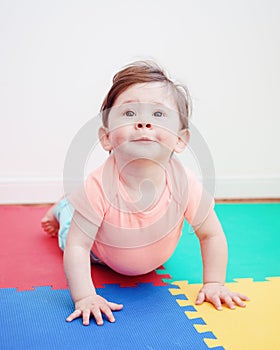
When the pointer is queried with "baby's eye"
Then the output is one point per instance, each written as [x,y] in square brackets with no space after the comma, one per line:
[158,114]
[129,114]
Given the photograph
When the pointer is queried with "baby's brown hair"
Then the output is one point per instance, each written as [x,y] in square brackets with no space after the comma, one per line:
[146,72]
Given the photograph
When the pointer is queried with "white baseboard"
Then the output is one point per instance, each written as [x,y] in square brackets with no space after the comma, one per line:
[30,190]
[42,190]
[247,187]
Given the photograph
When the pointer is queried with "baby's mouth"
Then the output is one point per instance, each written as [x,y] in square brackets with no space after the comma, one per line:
[143,139]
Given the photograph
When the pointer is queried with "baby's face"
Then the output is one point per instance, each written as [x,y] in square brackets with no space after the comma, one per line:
[144,122]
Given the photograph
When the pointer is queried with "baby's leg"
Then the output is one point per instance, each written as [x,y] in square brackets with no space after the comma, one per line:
[49,222]
[57,221]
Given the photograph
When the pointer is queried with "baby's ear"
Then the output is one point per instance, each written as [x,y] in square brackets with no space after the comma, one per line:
[104,139]
[183,140]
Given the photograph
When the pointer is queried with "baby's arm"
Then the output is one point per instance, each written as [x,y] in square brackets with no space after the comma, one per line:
[78,273]
[214,256]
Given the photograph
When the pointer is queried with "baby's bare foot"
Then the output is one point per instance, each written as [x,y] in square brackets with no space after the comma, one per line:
[49,222]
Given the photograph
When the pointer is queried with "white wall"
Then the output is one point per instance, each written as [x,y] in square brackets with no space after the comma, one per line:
[58,58]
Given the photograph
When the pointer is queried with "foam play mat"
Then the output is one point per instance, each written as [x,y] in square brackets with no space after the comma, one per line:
[159,308]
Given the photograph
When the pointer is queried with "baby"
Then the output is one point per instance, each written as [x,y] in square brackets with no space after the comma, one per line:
[130,212]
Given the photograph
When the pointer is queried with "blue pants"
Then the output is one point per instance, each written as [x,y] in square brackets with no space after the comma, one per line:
[63,212]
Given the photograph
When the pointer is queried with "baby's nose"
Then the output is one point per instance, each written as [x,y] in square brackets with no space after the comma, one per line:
[143,125]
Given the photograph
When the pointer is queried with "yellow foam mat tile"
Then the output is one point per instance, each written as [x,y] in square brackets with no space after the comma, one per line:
[255,327]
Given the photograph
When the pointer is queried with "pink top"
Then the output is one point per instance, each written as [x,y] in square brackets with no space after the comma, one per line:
[134,242]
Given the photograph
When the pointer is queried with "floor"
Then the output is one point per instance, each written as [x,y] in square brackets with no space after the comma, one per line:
[159,310]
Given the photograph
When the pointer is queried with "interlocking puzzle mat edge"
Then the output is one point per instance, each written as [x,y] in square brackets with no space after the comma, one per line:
[151,319]
[30,258]
[252,231]
[254,327]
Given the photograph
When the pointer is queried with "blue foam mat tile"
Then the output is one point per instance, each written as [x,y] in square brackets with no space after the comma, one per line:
[151,319]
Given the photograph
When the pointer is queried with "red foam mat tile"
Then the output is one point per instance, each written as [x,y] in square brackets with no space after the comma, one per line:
[30,258]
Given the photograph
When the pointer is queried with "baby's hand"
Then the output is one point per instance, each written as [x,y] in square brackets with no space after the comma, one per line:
[217,294]
[94,305]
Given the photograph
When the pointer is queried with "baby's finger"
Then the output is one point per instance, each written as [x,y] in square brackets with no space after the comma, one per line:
[229,302]
[238,301]
[200,298]
[74,315]
[97,315]
[243,297]
[216,301]
[108,313]
[114,306]
[86,317]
